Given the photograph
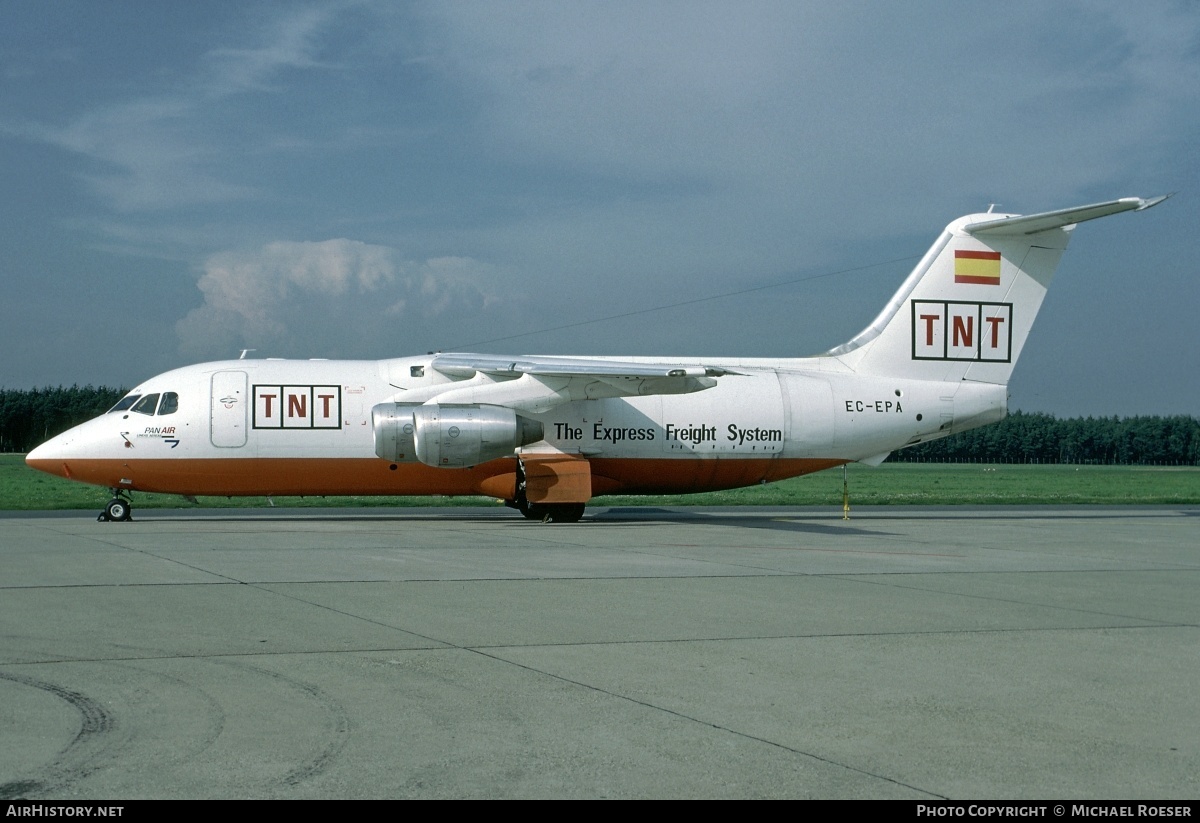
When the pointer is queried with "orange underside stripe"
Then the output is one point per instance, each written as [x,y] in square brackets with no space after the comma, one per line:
[236,477]
[560,478]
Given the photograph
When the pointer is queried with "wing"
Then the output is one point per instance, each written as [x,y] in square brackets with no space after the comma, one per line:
[536,384]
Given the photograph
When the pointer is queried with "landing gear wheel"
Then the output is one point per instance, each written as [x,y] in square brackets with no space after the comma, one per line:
[532,511]
[117,509]
[554,512]
[545,512]
[566,512]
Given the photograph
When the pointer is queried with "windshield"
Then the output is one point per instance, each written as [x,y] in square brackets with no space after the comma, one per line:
[146,404]
[126,401]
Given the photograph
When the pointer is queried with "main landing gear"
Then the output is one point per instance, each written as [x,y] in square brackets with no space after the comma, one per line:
[545,512]
[119,508]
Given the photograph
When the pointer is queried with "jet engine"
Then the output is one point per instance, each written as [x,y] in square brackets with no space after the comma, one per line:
[451,436]
[392,424]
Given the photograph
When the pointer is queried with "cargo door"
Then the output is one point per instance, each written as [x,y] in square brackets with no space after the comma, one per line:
[229,409]
[810,415]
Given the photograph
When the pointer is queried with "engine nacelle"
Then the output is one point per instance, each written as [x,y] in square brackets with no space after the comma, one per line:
[450,436]
[392,425]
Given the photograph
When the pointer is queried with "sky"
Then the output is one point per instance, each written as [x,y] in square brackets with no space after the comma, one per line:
[181,181]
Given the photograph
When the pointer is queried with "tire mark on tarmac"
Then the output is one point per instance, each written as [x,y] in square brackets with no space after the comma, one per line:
[81,757]
[338,722]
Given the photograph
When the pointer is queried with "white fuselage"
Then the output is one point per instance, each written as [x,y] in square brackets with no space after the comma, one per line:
[262,427]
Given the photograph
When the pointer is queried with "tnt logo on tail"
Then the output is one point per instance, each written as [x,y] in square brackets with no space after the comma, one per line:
[956,330]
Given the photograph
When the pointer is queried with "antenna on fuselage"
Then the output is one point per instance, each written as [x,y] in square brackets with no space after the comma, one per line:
[244,352]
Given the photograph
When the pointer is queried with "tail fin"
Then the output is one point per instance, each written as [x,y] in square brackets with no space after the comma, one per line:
[966,309]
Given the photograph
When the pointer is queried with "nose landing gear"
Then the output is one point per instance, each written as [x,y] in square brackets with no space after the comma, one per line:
[119,508]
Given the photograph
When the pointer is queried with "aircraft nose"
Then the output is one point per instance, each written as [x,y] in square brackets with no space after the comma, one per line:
[50,457]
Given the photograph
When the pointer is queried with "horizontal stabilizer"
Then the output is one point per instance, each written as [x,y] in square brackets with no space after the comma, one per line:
[1034,223]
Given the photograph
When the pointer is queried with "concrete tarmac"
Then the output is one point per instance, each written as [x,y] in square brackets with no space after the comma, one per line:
[917,653]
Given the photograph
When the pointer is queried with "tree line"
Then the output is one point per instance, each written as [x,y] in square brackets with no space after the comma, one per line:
[1043,438]
[32,416]
[29,417]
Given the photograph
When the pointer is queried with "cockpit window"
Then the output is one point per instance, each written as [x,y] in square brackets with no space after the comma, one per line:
[146,404]
[125,402]
[169,404]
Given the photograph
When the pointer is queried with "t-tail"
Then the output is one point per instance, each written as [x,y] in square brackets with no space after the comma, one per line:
[965,311]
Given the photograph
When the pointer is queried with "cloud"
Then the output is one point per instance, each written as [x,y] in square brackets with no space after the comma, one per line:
[334,297]
[782,104]
[291,41]
[604,157]
[171,148]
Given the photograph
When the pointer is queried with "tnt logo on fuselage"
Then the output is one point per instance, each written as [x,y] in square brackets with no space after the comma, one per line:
[957,330]
[297,407]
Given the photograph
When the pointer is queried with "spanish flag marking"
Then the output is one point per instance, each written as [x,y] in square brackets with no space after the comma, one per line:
[980,267]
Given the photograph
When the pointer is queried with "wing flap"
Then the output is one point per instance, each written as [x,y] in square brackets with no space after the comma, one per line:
[465,365]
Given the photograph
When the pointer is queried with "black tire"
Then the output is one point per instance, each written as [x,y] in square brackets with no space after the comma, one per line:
[564,512]
[532,511]
[567,512]
[553,512]
[118,509]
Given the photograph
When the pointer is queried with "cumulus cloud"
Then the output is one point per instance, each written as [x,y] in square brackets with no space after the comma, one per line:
[336,297]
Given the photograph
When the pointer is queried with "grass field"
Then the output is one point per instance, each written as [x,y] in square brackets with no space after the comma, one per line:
[22,488]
